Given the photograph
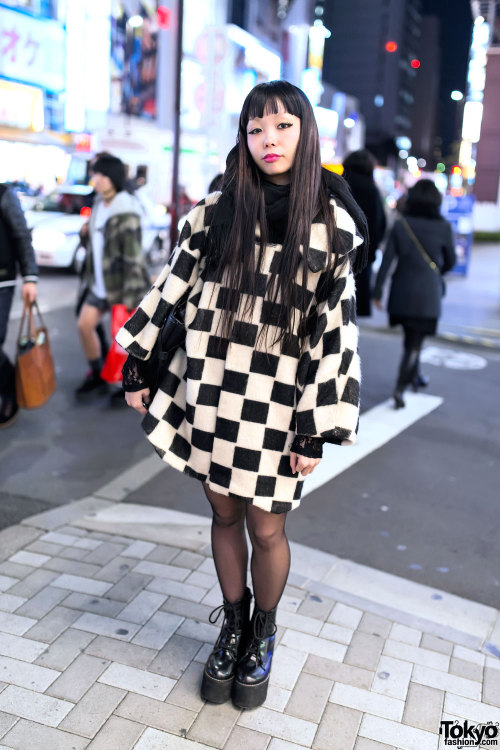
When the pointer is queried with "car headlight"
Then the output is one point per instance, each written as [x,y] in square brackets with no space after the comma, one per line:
[48,239]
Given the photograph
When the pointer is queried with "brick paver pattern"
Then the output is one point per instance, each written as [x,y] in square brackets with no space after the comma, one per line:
[103,641]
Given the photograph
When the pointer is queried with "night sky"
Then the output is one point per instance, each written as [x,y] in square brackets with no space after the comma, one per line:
[456,30]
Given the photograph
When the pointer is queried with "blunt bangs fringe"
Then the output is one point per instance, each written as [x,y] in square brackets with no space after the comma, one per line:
[271,98]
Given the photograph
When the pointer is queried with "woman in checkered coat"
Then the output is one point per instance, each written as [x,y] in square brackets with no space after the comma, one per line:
[270,368]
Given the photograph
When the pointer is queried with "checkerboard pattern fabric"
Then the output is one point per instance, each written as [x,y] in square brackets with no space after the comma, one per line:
[228,416]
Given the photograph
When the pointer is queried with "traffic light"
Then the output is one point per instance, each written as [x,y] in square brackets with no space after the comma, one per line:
[391,46]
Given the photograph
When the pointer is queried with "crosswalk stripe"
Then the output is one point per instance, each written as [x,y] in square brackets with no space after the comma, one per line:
[376,427]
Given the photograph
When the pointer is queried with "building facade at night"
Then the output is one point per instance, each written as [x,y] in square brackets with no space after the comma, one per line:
[377,61]
[484,107]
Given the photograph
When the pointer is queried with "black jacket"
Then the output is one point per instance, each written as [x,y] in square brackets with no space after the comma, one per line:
[416,289]
[16,250]
[368,198]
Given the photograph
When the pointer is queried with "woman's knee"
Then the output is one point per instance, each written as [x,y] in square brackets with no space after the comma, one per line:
[266,535]
[226,511]
[88,320]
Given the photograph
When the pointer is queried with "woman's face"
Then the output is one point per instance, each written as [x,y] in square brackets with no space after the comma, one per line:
[272,141]
[101,183]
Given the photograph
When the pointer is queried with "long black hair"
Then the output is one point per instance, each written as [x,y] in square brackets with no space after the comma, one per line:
[310,191]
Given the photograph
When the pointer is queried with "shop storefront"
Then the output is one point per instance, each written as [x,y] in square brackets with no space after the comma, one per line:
[31,80]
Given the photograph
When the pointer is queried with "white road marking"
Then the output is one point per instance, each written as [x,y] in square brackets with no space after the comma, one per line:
[131,479]
[453,360]
[376,427]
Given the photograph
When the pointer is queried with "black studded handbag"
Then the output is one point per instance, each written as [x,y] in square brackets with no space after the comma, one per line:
[172,335]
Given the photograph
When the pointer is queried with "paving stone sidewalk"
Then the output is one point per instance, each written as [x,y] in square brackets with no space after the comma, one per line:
[104,632]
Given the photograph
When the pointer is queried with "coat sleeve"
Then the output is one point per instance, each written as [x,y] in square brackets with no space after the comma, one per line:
[328,404]
[135,276]
[138,335]
[387,260]
[14,217]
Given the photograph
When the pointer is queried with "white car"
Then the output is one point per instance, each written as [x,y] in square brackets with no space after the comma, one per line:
[55,221]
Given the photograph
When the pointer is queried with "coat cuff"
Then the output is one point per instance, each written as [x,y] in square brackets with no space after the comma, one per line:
[311,447]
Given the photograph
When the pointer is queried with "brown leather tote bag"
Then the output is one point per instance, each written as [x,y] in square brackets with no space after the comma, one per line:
[35,376]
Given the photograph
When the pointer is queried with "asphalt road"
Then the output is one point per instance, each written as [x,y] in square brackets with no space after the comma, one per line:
[423,506]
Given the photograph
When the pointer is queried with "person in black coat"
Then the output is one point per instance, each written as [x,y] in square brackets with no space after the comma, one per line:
[358,171]
[16,254]
[422,244]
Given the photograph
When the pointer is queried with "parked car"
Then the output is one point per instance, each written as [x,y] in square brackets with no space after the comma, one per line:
[55,221]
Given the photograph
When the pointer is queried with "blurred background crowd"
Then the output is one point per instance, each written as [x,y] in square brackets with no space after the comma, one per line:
[160,85]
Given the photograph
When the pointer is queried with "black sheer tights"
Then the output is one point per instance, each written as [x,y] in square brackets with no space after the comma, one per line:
[270,563]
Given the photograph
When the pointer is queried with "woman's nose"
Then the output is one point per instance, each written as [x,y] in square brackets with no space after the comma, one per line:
[270,138]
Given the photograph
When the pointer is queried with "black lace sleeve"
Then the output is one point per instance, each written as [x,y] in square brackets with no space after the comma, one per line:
[312,447]
[133,375]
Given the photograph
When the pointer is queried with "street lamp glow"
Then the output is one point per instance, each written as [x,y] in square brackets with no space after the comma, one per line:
[349,122]
[457,96]
[135,21]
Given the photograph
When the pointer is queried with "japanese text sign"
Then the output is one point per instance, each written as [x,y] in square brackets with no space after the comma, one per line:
[31,50]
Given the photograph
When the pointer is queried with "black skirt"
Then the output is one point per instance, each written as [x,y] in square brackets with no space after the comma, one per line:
[427,326]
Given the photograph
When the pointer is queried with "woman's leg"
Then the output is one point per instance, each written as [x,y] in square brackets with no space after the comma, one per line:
[88,320]
[408,367]
[270,563]
[418,380]
[229,544]
[270,567]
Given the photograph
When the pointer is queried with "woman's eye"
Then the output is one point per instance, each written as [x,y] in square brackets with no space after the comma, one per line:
[254,131]
[284,125]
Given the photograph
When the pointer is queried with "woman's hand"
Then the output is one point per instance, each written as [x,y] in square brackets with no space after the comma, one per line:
[29,292]
[138,400]
[303,464]
[378,304]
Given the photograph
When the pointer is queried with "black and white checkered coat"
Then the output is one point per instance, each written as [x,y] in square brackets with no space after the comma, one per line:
[229,418]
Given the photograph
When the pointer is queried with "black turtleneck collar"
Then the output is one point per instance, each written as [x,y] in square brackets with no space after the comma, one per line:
[277,202]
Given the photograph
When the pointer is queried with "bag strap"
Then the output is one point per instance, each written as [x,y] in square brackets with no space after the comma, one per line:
[30,320]
[418,244]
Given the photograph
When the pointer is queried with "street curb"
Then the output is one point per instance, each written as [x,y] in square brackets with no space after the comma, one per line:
[318,572]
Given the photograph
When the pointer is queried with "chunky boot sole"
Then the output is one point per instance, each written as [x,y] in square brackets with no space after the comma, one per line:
[250,696]
[215,691]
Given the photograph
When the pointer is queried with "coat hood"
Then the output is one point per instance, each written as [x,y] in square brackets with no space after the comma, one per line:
[122,203]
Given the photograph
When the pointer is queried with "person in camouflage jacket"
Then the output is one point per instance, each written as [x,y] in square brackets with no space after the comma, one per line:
[115,270]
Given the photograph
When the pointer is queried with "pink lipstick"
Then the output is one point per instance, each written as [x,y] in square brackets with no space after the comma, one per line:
[272,157]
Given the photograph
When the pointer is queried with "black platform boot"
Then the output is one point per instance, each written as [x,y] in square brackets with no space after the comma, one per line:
[221,664]
[407,371]
[420,381]
[252,674]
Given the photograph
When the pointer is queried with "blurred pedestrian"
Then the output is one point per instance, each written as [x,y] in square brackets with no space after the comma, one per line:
[358,171]
[16,254]
[216,183]
[114,271]
[422,245]
[269,370]
[184,202]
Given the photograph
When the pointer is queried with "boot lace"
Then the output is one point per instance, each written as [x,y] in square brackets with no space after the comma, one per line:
[260,631]
[229,624]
